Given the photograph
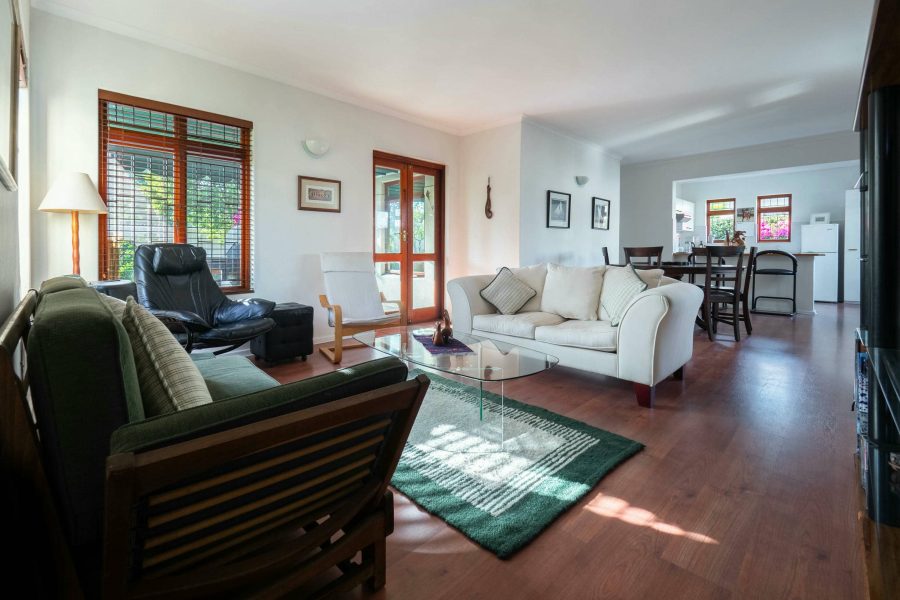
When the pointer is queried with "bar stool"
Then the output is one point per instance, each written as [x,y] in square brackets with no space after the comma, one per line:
[791,272]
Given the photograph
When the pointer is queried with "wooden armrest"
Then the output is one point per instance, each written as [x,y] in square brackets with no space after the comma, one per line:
[338,314]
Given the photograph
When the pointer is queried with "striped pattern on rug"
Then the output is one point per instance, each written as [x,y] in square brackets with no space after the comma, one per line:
[501,499]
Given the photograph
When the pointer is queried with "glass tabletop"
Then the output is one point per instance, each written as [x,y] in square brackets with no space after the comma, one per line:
[468,356]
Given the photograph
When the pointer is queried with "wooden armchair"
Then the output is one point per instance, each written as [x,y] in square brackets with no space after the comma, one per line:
[352,299]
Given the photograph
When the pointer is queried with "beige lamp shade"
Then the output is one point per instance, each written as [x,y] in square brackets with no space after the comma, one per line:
[73,192]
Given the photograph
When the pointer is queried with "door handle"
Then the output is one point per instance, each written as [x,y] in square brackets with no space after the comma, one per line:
[403,236]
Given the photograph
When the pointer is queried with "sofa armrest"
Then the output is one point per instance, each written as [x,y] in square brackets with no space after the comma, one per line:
[466,300]
[656,335]
[221,415]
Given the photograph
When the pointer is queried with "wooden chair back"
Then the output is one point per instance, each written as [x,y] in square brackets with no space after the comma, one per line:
[653,254]
[269,506]
[748,273]
[605,255]
[717,255]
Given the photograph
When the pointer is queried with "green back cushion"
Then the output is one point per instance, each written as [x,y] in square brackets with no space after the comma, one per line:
[241,410]
[84,386]
[168,378]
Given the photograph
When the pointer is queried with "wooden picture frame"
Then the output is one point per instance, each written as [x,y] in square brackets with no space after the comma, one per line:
[559,210]
[10,68]
[318,194]
[600,213]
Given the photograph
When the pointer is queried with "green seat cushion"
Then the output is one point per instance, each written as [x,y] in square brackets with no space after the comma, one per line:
[169,379]
[233,412]
[229,376]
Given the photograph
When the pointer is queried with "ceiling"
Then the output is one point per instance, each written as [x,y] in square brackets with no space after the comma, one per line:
[645,79]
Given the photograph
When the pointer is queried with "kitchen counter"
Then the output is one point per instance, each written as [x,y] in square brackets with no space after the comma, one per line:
[780,285]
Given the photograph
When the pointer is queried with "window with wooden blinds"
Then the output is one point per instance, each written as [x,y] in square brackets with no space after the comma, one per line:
[173,174]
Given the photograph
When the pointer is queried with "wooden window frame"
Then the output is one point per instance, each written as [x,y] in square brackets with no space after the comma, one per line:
[179,149]
[775,209]
[716,213]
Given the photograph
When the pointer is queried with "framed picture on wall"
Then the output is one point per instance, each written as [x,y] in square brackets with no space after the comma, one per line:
[599,213]
[318,194]
[559,209]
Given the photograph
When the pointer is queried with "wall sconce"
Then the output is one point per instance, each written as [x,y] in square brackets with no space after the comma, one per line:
[315,146]
[581,179]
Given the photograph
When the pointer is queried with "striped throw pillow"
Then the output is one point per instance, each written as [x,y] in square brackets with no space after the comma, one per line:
[620,286]
[507,292]
[168,378]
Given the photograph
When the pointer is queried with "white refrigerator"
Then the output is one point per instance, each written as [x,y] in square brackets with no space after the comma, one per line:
[825,240]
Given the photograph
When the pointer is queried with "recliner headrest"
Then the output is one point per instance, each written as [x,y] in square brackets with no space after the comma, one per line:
[178,259]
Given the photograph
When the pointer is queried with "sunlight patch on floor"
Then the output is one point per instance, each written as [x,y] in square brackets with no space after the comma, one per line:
[616,508]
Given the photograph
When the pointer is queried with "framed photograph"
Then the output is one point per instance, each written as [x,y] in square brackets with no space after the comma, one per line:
[559,209]
[746,215]
[11,55]
[314,193]
[599,213]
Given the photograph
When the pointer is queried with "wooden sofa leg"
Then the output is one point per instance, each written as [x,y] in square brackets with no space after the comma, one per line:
[645,394]
[679,374]
[377,554]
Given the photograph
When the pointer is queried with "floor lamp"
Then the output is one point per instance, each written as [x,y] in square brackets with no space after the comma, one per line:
[74,193]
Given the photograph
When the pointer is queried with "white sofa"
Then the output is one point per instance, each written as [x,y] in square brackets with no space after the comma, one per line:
[653,340]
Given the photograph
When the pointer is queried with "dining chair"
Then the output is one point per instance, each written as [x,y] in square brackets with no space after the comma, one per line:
[745,293]
[722,289]
[605,255]
[648,252]
[698,256]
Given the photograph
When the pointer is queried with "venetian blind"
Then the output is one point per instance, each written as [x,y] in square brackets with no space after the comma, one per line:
[171,174]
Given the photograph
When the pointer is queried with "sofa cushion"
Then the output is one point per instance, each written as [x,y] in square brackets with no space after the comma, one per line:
[595,335]
[519,325]
[507,292]
[621,286]
[573,292]
[83,386]
[652,277]
[229,376]
[168,378]
[534,276]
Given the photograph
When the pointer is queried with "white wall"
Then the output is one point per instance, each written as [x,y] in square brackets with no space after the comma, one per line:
[813,191]
[72,61]
[550,161]
[647,187]
[494,242]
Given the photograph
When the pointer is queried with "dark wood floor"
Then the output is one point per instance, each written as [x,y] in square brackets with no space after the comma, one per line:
[746,489]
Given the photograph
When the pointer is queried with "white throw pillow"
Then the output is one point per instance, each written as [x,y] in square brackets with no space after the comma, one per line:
[507,293]
[620,286]
[572,292]
[652,277]
[534,277]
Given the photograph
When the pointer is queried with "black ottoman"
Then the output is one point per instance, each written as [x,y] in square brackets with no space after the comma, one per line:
[292,335]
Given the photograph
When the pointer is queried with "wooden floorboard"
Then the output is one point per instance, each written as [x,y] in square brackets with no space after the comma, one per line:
[746,488]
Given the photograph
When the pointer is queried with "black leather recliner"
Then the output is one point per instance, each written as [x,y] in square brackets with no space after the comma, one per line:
[175,284]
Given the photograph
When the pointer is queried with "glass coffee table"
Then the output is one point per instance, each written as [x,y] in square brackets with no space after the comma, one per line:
[471,357]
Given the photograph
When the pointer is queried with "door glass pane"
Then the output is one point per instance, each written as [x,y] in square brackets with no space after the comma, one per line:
[423,284]
[387,210]
[423,214]
[388,276]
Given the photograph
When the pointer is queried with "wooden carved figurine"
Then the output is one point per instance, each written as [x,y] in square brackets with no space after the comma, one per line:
[443,331]
[487,206]
[446,327]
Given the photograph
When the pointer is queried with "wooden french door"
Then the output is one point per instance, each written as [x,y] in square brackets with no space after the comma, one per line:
[409,234]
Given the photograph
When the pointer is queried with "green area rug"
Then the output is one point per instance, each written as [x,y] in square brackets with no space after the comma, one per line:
[501,499]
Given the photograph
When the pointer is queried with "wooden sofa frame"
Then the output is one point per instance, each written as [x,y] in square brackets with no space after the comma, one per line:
[262,509]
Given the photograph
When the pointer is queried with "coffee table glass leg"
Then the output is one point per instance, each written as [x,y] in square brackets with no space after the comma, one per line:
[481,401]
